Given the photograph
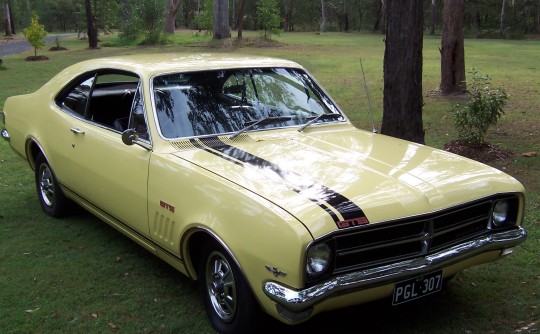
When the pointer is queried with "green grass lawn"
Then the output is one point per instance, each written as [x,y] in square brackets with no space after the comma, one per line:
[77,275]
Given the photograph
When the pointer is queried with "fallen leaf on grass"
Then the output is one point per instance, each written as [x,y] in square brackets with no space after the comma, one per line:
[528,154]
[113,326]
[529,327]
[94,315]
[32,311]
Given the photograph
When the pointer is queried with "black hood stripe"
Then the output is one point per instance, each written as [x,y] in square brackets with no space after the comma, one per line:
[199,146]
[324,197]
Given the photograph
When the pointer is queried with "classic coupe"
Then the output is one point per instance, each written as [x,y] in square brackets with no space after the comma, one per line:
[243,173]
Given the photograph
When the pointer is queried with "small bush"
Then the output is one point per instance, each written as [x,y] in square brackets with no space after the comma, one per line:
[484,108]
[35,34]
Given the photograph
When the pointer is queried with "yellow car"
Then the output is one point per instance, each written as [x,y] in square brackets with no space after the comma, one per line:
[242,173]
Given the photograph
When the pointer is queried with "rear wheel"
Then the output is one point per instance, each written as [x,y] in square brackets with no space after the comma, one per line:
[52,199]
[228,300]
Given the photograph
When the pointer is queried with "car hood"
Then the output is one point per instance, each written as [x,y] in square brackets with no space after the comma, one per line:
[338,177]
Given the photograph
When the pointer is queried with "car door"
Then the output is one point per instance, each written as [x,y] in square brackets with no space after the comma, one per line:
[106,173]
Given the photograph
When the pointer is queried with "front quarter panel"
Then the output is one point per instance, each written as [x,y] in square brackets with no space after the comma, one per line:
[184,197]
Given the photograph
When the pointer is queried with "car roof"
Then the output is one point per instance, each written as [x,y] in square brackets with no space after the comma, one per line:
[157,63]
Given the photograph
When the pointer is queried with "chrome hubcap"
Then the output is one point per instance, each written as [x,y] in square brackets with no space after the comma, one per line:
[46,186]
[221,286]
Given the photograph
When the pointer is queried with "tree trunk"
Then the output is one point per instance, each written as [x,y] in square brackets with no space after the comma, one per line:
[7,19]
[240,21]
[433,17]
[221,19]
[501,24]
[234,14]
[402,116]
[380,20]
[11,19]
[171,9]
[92,33]
[288,24]
[378,15]
[346,16]
[285,16]
[452,48]
[538,18]
[323,16]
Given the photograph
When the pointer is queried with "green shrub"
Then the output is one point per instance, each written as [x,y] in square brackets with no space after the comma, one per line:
[268,15]
[35,34]
[483,109]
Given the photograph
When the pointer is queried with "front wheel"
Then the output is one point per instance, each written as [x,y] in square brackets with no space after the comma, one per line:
[53,201]
[228,300]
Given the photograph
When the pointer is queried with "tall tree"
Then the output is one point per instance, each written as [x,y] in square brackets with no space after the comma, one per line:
[402,102]
[240,18]
[380,16]
[345,16]
[501,22]
[538,17]
[91,28]
[171,9]
[453,48]
[323,16]
[433,17]
[7,19]
[221,19]
[287,15]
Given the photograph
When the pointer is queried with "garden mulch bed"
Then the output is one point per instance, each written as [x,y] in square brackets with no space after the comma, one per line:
[484,152]
[36,58]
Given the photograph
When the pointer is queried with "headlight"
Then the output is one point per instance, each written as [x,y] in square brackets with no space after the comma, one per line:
[318,259]
[504,213]
[500,213]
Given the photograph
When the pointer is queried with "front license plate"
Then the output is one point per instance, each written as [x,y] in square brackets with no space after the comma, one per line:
[417,287]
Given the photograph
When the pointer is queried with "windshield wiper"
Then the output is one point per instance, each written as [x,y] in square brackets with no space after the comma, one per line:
[251,124]
[316,118]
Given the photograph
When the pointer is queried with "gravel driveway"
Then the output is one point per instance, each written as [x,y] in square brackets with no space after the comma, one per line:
[20,46]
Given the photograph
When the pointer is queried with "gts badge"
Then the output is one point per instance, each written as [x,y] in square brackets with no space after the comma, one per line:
[275,271]
[352,222]
[166,206]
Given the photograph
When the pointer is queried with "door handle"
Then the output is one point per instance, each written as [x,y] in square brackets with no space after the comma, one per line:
[77,131]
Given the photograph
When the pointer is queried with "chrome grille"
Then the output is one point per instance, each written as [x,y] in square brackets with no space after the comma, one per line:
[384,243]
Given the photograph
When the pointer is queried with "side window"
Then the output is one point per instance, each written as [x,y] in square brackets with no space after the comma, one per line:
[76,100]
[137,119]
[111,99]
[104,98]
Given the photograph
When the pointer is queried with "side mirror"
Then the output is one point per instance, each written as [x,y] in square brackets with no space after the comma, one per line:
[129,137]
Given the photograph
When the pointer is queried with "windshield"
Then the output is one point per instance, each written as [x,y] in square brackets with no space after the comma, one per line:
[229,101]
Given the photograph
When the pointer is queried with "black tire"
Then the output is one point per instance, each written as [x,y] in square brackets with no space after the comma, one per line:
[53,201]
[228,299]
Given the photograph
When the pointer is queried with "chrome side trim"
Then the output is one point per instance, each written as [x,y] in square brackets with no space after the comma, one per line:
[293,304]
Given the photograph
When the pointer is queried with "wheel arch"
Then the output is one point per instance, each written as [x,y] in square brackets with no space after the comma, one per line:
[33,149]
[192,243]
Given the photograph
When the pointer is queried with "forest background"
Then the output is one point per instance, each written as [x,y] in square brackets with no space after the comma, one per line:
[483,18]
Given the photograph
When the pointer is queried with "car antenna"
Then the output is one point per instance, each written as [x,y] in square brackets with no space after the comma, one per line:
[369,101]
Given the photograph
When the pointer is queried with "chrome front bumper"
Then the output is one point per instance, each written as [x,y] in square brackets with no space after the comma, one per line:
[296,305]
